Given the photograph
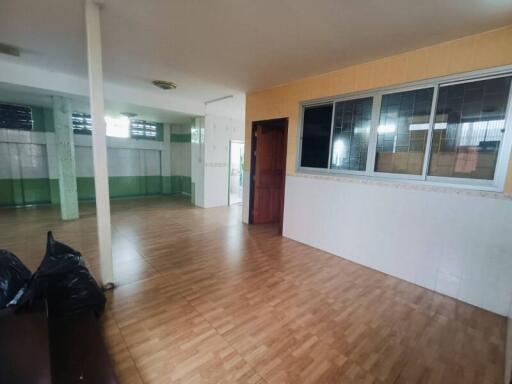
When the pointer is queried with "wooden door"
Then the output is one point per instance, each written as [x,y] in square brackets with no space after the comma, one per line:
[268,173]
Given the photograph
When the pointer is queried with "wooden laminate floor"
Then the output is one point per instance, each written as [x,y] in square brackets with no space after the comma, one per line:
[203,298]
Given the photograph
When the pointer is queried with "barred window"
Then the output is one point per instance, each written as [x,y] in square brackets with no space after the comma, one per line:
[142,129]
[82,123]
[16,117]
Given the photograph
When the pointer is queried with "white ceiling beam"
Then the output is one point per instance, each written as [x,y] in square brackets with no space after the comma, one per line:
[15,73]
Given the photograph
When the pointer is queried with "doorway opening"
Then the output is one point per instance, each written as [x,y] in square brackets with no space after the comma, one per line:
[236,172]
[268,171]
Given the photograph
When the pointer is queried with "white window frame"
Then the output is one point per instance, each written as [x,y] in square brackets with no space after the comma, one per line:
[500,173]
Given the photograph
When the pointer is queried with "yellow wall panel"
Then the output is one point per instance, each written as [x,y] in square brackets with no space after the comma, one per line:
[485,50]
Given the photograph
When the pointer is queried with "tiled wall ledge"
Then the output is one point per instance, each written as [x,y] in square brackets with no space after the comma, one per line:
[403,184]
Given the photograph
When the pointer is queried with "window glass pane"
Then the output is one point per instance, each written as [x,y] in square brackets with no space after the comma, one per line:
[352,121]
[118,126]
[402,131]
[16,117]
[82,123]
[316,135]
[142,129]
[468,129]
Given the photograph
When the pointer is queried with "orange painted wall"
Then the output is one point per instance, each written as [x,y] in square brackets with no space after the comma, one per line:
[484,50]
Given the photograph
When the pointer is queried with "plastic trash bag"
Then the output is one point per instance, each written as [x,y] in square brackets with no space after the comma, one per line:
[14,279]
[58,260]
[76,292]
[65,282]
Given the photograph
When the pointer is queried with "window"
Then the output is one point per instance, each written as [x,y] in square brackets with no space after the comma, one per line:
[402,131]
[351,132]
[82,123]
[142,129]
[115,126]
[16,117]
[316,136]
[469,128]
[439,132]
[118,126]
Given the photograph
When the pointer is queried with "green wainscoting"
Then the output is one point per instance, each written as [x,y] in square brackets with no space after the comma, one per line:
[54,191]
[45,191]
[121,186]
[24,192]
[181,184]
[36,191]
[181,137]
[6,192]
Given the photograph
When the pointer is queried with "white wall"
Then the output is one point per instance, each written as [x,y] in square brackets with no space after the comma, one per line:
[33,154]
[23,155]
[454,242]
[126,157]
[197,160]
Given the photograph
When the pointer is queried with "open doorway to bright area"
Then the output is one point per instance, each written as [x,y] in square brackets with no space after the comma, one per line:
[236,172]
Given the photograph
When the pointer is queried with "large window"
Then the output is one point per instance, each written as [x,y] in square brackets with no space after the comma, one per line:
[469,128]
[316,136]
[16,117]
[449,132]
[351,132]
[402,131]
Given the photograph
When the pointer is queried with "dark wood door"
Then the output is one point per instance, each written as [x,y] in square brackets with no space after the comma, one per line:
[269,158]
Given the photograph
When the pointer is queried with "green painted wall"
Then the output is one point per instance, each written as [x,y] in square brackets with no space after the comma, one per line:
[181,137]
[54,191]
[24,192]
[121,186]
[181,184]
[45,191]
[43,119]
[160,132]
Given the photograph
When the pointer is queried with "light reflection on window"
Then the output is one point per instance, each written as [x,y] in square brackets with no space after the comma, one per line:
[469,127]
[118,126]
[351,133]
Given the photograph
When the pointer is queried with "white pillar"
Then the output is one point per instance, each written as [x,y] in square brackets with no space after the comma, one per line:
[197,152]
[165,160]
[66,158]
[99,142]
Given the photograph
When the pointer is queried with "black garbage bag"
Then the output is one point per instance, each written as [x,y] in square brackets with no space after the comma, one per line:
[76,292]
[14,279]
[59,257]
[65,282]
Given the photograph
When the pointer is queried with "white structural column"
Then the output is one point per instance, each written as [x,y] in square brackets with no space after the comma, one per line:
[99,142]
[165,160]
[197,152]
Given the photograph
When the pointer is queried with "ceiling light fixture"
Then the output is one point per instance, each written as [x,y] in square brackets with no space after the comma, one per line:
[165,85]
[129,114]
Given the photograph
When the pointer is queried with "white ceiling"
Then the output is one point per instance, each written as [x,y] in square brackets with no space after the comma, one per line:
[212,48]
[15,94]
